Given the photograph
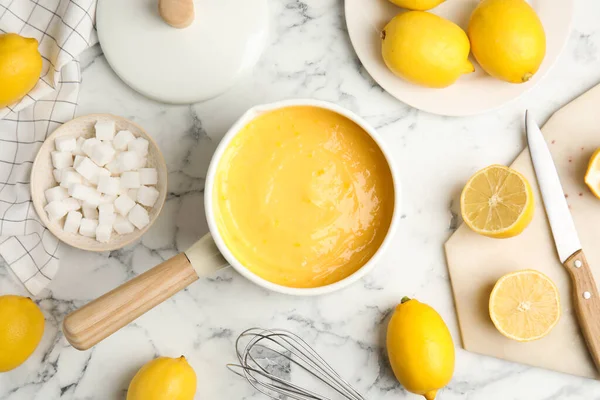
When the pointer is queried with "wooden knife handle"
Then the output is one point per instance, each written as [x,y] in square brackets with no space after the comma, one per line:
[587,302]
[102,317]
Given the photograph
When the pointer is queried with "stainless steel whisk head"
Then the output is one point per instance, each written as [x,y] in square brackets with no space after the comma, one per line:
[268,357]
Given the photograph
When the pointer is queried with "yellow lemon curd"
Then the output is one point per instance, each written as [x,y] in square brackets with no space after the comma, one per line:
[303,197]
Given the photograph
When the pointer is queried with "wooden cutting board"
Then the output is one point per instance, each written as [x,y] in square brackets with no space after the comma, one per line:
[476,262]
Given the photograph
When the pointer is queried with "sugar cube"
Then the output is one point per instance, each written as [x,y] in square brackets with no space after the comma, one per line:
[85,193]
[62,159]
[106,209]
[79,146]
[56,210]
[78,160]
[65,143]
[123,204]
[88,146]
[95,198]
[88,227]
[103,232]
[105,130]
[122,139]
[80,191]
[90,205]
[57,174]
[109,185]
[102,154]
[72,204]
[107,219]
[132,193]
[70,178]
[138,216]
[142,163]
[89,211]
[113,167]
[88,169]
[139,145]
[106,199]
[72,222]
[147,195]
[148,176]
[122,226]
[130,180]
[127,161]
[87,183]
[56,193]
[101,172]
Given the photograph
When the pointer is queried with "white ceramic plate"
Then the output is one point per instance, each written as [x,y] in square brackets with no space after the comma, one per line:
[42,178]
[471,94]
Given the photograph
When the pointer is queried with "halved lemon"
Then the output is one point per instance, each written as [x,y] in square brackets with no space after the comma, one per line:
[524,305]
[497,202]
[592,176]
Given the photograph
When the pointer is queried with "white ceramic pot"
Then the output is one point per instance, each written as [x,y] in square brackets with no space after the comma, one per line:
[105,315]
[210,180]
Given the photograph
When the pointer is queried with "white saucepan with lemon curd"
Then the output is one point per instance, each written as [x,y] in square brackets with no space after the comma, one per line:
[301,198]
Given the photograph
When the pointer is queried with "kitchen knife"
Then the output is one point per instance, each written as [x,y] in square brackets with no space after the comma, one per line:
[585,293]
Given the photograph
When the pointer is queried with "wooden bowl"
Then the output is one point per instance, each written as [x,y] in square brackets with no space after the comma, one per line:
[42,178]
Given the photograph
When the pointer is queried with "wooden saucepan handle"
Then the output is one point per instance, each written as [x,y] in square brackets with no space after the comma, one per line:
[586,302]
[104,316]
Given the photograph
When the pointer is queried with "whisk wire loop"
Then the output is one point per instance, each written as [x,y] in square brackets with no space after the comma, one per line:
[258,368]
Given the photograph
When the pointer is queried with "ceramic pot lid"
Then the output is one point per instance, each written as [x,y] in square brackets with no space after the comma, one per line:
[187,65]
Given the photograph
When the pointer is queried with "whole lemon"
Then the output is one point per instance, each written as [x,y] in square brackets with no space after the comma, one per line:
[163,378]
[420,348]
[507,39]
[21,329]
[421,5]
[20,67]
[425,49]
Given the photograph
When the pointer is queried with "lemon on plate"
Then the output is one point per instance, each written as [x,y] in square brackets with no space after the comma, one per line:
[21,329]
[20,67]
[592,175]
[507,39]
[425,49]
[420,348]
[163,378]
[497,202]
[420,5]
[524,305]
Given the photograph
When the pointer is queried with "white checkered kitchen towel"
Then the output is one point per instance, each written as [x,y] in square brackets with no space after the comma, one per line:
[63,28]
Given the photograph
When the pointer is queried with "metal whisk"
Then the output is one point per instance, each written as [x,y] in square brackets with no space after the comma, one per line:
[268,357]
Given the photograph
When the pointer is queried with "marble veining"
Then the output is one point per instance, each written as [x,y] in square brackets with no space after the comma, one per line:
[309,55]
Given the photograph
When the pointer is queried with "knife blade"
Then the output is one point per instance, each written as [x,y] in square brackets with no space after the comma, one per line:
[555,203]
[586,299]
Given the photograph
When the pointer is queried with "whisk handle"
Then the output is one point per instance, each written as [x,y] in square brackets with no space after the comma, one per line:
[102,317]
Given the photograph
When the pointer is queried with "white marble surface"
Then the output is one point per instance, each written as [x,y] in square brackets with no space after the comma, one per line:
[309,56]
